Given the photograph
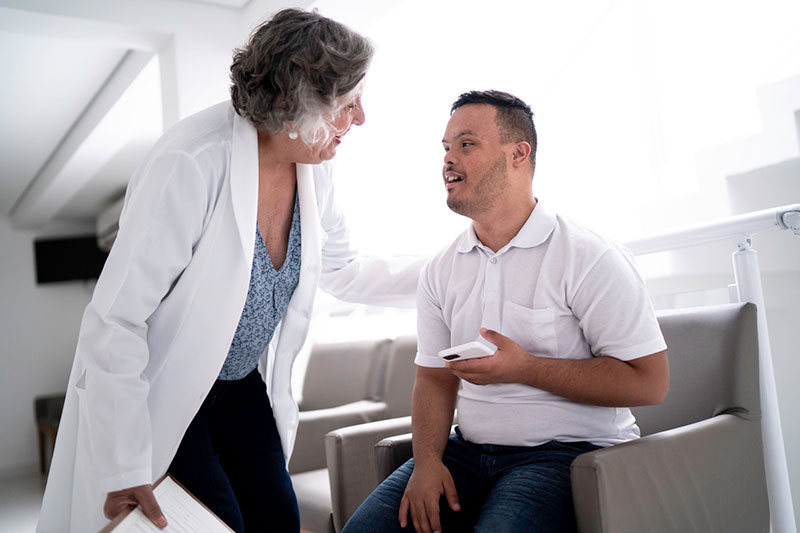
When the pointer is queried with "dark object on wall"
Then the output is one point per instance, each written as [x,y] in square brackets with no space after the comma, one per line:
[74,258]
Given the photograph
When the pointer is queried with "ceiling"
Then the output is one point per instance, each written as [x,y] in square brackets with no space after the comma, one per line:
[80,104]
[47,83]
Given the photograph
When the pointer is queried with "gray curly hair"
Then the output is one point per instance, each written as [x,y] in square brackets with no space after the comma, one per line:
[296,72]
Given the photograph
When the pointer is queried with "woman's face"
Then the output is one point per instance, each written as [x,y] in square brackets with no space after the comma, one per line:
[352,114]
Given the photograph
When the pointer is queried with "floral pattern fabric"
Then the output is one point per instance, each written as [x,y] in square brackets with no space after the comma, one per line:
[267,299]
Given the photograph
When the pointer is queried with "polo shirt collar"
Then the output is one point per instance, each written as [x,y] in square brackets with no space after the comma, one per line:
[535,231]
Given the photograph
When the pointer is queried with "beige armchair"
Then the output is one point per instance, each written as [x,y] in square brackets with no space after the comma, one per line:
[342,386]
[699,465]
[345,384]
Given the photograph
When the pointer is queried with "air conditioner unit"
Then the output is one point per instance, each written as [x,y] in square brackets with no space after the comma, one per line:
[108,225]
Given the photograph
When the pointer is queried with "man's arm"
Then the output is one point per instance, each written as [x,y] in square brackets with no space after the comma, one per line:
[433,404]
[602,380]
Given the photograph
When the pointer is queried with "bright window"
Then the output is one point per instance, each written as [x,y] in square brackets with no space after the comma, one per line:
[626,94]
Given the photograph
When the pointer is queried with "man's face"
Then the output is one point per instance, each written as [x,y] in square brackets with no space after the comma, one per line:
[475,165]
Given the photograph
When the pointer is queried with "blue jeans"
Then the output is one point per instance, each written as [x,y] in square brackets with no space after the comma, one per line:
[231,458]
[501,489]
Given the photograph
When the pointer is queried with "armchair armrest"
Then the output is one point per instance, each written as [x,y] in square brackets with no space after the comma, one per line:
[350,469]
[706,476]
[390,453]
[309,450]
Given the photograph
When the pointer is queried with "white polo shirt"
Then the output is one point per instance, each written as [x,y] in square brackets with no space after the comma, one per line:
[558,290]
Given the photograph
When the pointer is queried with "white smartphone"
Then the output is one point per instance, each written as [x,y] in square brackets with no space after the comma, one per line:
[469,350]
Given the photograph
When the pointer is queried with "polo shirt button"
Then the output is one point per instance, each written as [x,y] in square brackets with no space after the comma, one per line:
[493,260]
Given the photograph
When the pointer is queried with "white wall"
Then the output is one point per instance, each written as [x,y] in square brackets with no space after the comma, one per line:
[38,334]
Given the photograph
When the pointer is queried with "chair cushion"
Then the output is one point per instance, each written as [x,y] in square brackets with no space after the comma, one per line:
[314,499]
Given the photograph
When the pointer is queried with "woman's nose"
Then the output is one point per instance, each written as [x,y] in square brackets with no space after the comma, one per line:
[359,117]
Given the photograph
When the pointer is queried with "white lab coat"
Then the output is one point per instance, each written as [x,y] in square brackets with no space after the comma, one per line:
[166,307]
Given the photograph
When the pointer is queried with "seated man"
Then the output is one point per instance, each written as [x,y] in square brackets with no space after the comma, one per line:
[577,344]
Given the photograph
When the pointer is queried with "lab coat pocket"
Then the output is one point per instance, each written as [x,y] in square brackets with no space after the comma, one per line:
[533,329]
[80,383]
[81,394]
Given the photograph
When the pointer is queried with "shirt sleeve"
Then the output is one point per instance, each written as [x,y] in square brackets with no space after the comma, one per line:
[433,334]
[614,309]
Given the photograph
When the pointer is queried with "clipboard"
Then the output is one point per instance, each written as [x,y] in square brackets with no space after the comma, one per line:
[188,502]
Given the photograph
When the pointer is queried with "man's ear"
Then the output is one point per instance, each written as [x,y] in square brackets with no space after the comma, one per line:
[522,151]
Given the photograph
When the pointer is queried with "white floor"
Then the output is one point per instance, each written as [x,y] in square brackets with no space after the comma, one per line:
[20,499]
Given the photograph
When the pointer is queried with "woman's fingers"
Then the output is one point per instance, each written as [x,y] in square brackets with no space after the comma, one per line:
[121,500]
[144,495]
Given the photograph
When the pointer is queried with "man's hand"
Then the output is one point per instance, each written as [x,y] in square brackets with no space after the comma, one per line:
[120,500]
[501,367]
[423,492]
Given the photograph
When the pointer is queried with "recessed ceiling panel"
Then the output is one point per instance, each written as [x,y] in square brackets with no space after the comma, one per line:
[45,84]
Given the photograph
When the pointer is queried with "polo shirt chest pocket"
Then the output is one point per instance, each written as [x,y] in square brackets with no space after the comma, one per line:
[533,329]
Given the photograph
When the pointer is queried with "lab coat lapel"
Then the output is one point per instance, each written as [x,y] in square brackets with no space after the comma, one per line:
[244,181]
[310,230]
[294,325]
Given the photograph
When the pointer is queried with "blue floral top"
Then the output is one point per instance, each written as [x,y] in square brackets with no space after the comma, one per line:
[267,300]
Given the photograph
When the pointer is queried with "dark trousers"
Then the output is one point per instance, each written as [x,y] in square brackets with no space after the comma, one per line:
[231,459]
[501,489]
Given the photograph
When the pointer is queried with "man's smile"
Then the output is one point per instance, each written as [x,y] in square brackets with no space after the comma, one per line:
[451,178]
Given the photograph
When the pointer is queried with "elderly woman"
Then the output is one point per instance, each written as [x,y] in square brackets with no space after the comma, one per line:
[229,226]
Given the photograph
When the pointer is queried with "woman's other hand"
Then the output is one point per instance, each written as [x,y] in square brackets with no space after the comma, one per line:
[121,500]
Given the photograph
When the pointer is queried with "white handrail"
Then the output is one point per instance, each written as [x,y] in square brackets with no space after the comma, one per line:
[747,225]
[740,229]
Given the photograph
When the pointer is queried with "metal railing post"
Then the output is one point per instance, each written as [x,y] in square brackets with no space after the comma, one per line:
[748,288]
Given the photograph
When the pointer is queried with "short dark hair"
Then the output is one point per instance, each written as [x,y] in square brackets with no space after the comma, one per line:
[514,117]
[295,70]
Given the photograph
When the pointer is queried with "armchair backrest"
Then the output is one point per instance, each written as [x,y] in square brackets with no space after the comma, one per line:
[713,362]
[399,376]
[343,372]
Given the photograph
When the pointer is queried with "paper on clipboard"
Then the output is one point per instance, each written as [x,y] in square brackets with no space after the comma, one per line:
[184,513]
